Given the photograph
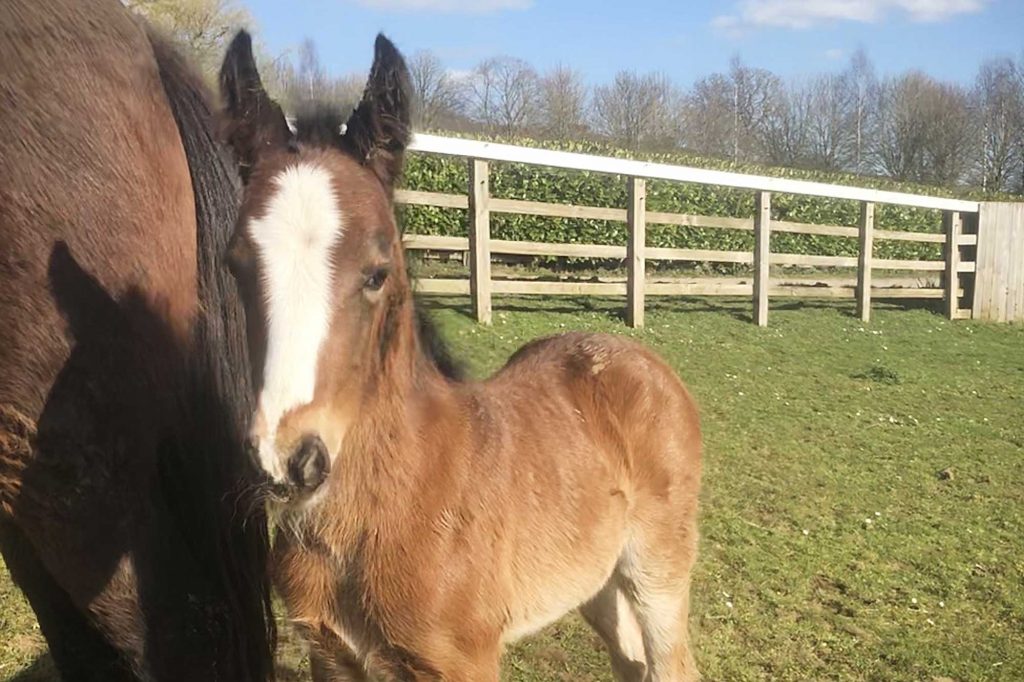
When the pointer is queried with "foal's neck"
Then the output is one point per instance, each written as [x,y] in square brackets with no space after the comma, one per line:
[402,394]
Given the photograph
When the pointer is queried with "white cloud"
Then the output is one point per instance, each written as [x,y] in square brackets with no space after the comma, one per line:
[447,6]
[835,53]
[728,25]
[808,13]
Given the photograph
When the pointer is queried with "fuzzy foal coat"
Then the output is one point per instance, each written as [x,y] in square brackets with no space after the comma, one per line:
[465,515]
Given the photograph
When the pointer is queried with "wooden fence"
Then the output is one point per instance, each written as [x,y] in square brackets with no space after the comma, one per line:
[963,282]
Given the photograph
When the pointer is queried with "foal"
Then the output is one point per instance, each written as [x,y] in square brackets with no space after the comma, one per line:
[426,522]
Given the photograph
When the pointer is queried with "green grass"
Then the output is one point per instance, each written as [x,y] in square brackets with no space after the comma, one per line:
[863,503]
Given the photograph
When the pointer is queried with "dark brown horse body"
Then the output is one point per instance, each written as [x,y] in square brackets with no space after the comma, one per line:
[426,522]
[122,362]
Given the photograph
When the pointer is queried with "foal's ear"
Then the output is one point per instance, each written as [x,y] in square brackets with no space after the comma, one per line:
[378,131]
[255,122]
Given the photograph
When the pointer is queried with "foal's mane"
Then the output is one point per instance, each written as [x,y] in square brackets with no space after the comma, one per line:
[320,125]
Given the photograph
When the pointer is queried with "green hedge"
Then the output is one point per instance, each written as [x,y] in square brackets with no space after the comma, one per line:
[435,173]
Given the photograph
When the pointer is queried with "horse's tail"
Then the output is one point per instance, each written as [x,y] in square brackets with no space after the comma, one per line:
[217,512]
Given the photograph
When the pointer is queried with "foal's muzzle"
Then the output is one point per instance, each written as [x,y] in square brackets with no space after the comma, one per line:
[309,465]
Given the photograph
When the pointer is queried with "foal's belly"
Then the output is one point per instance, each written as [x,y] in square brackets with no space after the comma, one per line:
[549,602]
[561,576]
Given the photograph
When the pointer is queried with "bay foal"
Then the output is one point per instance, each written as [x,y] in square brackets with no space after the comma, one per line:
[425,522]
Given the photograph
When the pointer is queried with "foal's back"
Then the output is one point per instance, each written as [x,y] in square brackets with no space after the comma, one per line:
[606,399]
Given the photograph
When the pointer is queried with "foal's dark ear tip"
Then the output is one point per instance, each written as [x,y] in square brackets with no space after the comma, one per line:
[384,48]
[238,60]
[242,42]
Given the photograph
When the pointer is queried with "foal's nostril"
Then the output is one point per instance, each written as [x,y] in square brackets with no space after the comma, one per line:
[308,466]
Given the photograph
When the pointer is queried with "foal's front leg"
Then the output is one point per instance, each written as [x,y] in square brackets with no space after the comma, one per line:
[335,669]
[330,659]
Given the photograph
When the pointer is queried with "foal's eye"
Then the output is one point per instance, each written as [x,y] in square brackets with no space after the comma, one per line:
[375,280]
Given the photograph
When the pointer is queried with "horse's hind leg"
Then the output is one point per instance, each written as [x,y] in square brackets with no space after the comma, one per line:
[612,617]
[657,584]
[79,651]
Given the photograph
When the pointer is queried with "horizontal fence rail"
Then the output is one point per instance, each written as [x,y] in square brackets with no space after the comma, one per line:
[492,151]
[950,279]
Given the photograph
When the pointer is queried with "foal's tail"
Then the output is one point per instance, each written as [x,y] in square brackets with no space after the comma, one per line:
[216,511]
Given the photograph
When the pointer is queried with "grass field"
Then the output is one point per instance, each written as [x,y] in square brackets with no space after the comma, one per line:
[863,503]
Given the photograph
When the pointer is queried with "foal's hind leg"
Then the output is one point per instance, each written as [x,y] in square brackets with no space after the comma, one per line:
[657,584]
[611,615]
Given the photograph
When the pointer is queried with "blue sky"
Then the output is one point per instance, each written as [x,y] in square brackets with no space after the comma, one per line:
[683,38]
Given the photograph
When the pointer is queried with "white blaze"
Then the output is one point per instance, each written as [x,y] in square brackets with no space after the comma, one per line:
[294,239]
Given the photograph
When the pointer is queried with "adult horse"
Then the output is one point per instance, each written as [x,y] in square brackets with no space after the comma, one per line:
[424,522]
[123,380]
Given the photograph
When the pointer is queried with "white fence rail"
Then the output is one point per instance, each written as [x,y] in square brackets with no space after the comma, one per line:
[492,151]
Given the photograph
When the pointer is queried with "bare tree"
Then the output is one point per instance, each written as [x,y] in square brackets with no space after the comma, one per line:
[436,92]
[311,82]
[901,131]
[478,92]
[345,92]
[277,73]
[949,134]
[307,83]
[828,141]
[753,93]
[998,98]
[503,94]
[749,114]
[708,117]
[859,94]
[201,27]
[784,124]
[923,130]
[638,111]
[562,107]
[1018,184]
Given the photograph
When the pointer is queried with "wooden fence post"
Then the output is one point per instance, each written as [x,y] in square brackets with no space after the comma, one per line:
[762,256]
[954,227]
[864,256]
[636,221]
[480,240]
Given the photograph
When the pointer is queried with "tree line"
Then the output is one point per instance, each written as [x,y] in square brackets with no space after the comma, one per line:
[909,126]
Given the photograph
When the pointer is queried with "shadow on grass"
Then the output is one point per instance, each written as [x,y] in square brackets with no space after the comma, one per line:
[614,309]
